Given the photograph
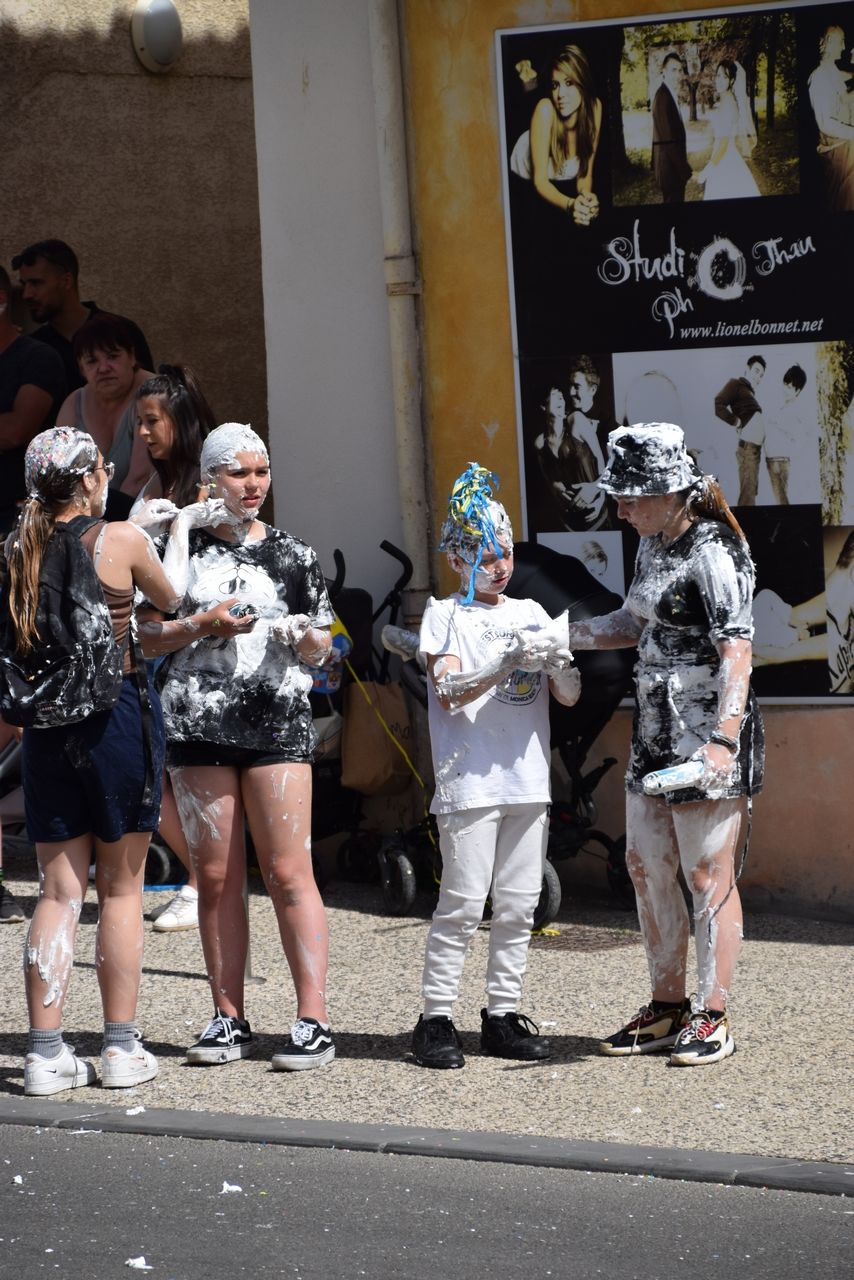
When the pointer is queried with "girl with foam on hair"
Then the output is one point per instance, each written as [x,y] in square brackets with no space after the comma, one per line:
[688,611]
[240,738]
[92,785]
[489,732]
[558,152]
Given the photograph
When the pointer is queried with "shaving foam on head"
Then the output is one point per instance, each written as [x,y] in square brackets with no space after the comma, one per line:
[648,459]
[222,446]
[54,458]
[475,521]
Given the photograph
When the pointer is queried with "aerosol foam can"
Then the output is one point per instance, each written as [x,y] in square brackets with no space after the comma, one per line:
[676,778]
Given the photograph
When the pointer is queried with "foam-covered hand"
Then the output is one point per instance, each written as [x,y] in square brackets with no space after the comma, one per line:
[542,645]
[291,629]
[157,511]
[566,685]
[205,515]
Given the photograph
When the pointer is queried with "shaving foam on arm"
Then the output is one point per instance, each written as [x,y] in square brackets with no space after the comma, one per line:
[618,630]
[455,689]
[733,684]
[176,558]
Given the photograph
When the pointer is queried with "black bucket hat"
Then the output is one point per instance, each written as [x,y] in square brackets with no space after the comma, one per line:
[647,460]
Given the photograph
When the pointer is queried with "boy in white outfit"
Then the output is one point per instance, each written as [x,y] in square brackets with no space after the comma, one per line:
[489,732]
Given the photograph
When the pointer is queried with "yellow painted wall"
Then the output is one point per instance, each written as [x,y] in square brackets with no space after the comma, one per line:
[802,844]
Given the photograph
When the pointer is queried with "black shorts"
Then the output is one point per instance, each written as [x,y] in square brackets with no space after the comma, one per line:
[188,755]
[89,778]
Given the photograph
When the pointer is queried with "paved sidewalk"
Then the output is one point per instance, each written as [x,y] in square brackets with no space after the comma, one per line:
[785,1094]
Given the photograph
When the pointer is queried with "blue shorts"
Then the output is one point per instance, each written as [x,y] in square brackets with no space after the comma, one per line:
[90,777]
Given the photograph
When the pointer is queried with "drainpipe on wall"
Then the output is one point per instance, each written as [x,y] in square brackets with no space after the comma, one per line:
[402,287]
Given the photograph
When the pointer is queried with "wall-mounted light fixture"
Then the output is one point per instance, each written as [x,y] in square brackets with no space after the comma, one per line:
[155,29]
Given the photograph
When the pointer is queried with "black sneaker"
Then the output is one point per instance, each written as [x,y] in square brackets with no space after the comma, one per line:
[223,1039]
[649,1031]
[436,1043]
[705,1038]
[512,1035]
[11,911]
[310,1046]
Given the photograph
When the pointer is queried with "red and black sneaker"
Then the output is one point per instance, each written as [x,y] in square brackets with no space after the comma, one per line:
[704,1038]
[650,1031]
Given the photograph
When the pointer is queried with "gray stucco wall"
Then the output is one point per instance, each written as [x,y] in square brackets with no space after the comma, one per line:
[151,178]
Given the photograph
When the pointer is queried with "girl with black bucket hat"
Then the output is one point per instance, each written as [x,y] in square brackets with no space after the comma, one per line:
[697,744]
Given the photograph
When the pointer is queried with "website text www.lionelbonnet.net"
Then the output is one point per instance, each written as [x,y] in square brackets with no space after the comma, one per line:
[752,328]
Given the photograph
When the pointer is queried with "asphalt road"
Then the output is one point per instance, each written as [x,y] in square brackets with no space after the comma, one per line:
[84,1205]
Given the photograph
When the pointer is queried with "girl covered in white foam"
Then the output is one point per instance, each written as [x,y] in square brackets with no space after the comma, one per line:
[240,737]
[688,611]
[91,781]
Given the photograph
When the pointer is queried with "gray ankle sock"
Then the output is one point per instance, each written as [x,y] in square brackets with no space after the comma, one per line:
[47,1043]
[120,1035]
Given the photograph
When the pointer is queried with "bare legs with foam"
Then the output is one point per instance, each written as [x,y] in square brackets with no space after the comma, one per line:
[49,949]
[702,838]
[276,801]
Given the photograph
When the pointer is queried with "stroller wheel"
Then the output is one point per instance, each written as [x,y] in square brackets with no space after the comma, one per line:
[398,879]
[549,904]
[619,880]
[356,856]
[159,862]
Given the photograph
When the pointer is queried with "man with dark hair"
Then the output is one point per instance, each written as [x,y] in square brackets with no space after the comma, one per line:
[736,404]
[783,431]
[48,272]
[32,387]
[581,451]
[669,148]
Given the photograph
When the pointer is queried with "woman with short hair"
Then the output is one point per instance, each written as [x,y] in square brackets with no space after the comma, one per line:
[106,406]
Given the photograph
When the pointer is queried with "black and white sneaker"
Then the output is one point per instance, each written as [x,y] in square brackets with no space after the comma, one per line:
[223,1040]
[310,1046]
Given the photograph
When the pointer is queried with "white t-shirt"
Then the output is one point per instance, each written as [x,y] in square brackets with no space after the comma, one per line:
[495,750]
[784,430]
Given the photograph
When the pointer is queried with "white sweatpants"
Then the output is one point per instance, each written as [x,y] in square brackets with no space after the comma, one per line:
[501,850]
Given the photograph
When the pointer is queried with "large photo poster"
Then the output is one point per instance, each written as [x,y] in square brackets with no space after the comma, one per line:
[679,196]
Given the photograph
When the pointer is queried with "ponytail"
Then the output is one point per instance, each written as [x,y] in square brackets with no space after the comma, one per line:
[24,561]
[706,498]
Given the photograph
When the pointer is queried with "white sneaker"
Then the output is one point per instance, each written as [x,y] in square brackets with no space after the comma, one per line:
[122,1070]
[43,1076]
[181,913]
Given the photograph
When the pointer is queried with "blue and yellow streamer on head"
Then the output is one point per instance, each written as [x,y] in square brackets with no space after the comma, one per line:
[475,521]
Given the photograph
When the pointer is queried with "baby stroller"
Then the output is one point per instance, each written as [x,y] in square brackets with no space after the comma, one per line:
[335,807]
[558,583]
